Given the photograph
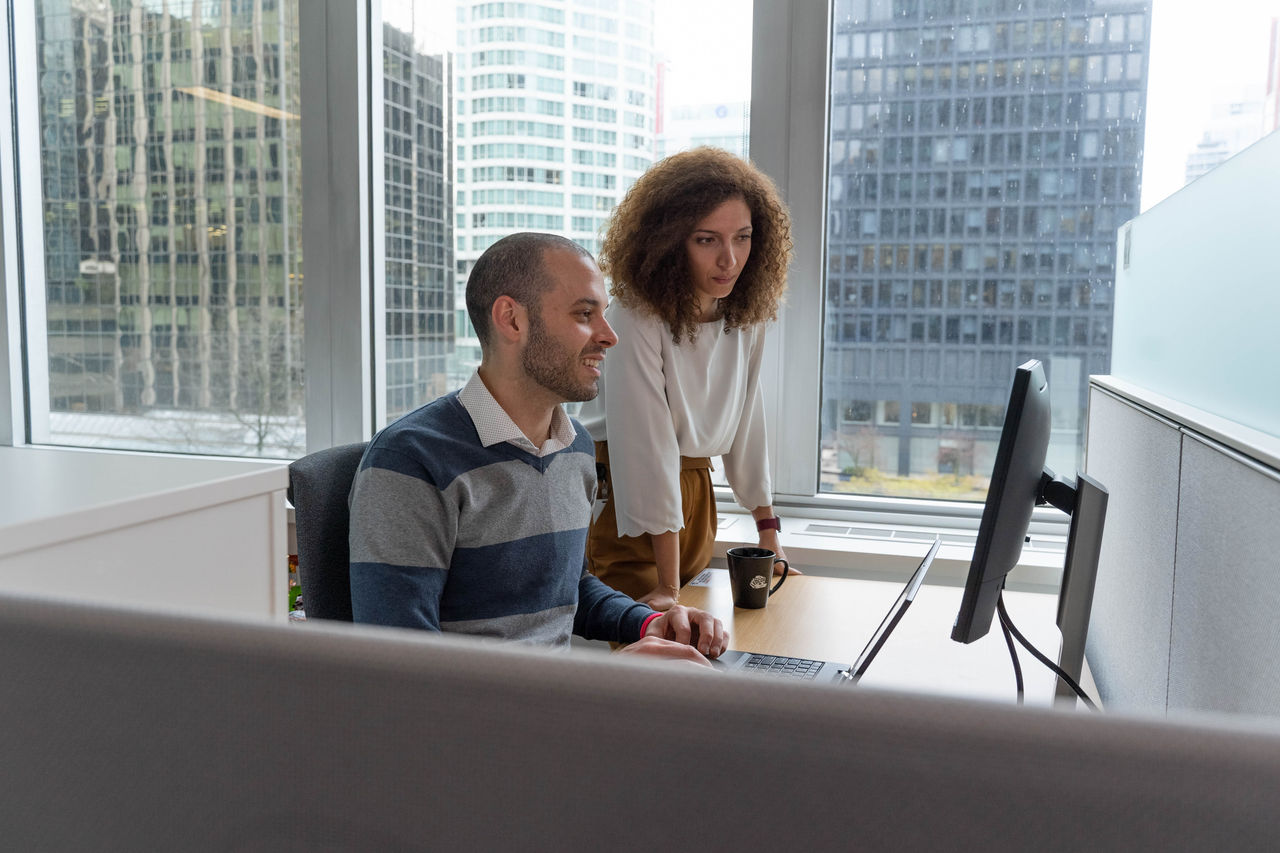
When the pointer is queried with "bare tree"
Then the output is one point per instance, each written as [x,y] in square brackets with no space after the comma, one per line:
[861,447]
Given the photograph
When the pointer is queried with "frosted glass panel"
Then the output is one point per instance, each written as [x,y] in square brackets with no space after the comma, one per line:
[1197,313]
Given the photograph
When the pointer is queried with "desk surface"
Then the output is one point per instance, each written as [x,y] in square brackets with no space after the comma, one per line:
[833,618]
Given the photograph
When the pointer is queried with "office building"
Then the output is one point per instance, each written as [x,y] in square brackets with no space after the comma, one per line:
[982,157]
[418,201]
[171,221]
[1232,128]
[724,125]
[555,119]
[194,153]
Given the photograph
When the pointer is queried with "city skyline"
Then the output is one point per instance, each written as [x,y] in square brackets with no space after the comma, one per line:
[440,209]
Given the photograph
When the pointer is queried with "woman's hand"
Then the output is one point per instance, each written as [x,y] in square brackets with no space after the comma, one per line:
[661,598]
[769,541]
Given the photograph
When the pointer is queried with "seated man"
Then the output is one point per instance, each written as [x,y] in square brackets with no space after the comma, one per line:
[470,514]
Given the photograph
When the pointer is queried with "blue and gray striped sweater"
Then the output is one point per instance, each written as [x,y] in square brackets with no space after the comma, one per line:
[449,535]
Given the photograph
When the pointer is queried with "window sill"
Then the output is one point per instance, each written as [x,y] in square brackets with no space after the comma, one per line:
[890,551]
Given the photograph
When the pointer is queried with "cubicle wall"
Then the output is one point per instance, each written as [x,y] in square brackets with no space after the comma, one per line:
[1186,611]
[148,530]
[1185,434]
[139,731]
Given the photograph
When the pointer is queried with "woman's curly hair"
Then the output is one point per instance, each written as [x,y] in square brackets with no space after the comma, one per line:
[644,250]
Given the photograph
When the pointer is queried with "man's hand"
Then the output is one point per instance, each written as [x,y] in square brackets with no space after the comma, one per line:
[692,627]
[669,650]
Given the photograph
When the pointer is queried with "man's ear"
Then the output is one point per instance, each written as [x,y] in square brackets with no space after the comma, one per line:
[509,319]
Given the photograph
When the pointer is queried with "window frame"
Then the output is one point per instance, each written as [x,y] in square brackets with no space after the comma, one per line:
[344,336]
[12,381]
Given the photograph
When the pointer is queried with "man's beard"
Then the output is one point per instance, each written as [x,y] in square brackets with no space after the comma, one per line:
[553,367]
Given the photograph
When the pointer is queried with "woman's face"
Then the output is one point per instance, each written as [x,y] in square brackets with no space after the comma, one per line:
[718,250]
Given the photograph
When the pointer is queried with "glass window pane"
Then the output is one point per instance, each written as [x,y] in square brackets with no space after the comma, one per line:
[1052,123]
[529,117]
[169,161]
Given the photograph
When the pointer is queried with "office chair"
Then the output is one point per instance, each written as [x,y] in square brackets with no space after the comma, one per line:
[318,486]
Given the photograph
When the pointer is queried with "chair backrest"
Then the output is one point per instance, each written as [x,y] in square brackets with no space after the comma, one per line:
[318,487]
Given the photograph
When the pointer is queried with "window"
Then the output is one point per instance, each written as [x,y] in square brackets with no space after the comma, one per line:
[163,259]
[168,164]
[444,217]
[994,212]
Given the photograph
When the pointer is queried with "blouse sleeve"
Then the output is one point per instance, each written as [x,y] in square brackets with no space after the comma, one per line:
[644,457]
[746,465]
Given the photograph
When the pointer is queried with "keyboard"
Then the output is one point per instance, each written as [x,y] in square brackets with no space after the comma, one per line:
[788,667]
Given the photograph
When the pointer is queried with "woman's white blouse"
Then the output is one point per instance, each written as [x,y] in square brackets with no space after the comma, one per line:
[659,401]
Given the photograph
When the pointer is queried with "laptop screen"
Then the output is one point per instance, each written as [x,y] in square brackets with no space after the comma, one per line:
[891,618]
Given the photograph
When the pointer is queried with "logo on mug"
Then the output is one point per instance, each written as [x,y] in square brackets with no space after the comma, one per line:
[758,582]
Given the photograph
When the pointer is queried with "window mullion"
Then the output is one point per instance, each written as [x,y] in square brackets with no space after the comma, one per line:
[788,141]
[333,37]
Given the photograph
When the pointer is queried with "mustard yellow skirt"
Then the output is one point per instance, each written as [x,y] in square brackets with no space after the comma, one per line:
[626,563]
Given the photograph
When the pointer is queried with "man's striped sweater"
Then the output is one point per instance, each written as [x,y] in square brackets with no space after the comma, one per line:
[449,535]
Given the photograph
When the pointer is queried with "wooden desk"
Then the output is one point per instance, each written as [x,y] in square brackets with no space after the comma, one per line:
[833,618]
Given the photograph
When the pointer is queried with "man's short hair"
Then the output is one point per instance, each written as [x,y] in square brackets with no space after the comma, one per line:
[513,267]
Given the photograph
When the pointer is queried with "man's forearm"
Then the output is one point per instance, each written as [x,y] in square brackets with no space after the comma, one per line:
[606,614]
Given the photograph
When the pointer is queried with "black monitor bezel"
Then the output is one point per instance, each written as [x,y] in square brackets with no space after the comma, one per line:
[1011,498]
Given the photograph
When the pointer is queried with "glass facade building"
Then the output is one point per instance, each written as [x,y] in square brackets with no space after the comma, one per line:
[555,119]
[172,271]
[418,222]
[983,154]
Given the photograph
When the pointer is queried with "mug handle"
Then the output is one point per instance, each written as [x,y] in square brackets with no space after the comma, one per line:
[786,570]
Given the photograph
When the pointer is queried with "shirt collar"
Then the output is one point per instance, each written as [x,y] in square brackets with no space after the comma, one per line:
[494,425]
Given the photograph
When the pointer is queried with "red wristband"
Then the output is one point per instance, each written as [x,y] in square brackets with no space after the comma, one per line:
[774,523]
[644,626]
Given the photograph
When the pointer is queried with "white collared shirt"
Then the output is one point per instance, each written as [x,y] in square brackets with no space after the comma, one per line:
[494,425]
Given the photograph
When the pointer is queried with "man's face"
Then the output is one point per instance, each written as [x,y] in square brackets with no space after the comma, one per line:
[568,335]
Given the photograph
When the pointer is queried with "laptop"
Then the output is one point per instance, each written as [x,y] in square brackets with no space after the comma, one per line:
[827,671]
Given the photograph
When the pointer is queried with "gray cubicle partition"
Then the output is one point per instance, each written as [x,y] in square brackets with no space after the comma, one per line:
[1128,642]
[135,731]
[1186,612]
[1225,643]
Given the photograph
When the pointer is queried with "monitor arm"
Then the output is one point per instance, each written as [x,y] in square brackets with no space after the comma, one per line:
[1085,500]
[1057,492]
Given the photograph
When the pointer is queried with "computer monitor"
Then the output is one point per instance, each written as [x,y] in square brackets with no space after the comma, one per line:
[1019,482]
[1014,491]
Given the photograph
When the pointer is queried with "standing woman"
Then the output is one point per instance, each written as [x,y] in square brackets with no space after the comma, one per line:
[697,252]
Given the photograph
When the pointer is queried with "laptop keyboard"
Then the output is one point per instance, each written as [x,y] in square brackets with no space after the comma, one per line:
[789,667]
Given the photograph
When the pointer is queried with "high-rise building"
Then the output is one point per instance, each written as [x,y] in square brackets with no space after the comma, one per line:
[171,221]
[418,218]
[555,119]
[982,157]
[1232,128]
[724,125]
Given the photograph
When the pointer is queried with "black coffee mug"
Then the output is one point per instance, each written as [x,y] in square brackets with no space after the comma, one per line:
[749,572]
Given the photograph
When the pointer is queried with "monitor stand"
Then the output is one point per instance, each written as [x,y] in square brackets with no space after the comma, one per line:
[1086,502]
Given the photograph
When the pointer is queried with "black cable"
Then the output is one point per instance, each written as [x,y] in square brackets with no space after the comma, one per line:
[1007,625]
[1013,656]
